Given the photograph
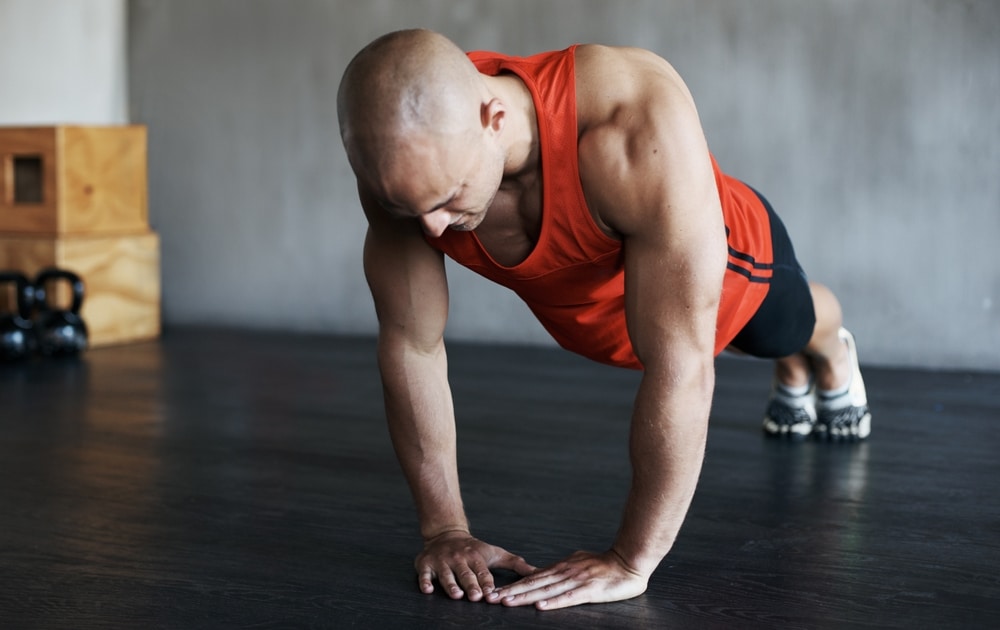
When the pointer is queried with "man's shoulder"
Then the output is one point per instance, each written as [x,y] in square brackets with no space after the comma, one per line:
[627,91]
[617,66]
[617,63]
[637,124]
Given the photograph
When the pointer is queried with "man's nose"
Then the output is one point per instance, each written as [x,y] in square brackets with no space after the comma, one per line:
[435,223]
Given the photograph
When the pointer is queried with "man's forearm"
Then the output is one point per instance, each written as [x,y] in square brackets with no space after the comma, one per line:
[421,422]
[667,446]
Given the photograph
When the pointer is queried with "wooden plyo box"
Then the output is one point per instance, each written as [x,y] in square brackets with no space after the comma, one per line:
[121,274]
[73,180]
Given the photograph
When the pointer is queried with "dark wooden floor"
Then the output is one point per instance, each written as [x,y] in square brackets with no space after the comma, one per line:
[223,479]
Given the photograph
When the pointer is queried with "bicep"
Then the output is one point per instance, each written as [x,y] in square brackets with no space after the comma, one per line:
[673,282]
[674,234]
[407,280]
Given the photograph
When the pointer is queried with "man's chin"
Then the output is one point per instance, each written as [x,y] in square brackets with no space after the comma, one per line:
[465,227]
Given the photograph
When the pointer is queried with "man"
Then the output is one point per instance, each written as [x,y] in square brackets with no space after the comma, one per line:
[581,179]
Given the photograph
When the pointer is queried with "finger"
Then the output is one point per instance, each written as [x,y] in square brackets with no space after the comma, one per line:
[446,577]
[536,587]
[469,579]
[512,563]
[541,592]
[570,595]
[517,564]
[484,577]
[425,580]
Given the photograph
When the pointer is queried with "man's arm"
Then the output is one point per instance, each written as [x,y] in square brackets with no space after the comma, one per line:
[671,303]
[660,195]
[409,287]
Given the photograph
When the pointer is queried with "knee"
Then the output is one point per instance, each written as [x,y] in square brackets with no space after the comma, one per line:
[829,315]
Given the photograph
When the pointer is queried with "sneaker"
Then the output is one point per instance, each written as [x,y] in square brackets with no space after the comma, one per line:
[790,416]
[845,417]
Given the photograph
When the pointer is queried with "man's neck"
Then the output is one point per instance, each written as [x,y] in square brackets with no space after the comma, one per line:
[520,135]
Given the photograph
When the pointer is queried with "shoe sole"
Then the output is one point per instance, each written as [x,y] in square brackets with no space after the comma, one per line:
[857,433]
[792,432]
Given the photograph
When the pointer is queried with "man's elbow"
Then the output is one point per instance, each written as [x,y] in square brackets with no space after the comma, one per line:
[688,371]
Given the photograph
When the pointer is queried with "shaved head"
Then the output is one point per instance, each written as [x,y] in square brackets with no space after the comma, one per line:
[402,85]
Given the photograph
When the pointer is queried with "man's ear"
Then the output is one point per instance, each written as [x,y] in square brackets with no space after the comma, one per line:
[493,115]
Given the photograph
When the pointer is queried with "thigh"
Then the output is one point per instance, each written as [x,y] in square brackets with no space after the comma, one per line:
[785,321]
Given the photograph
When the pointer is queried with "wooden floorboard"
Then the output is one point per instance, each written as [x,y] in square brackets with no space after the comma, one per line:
[225,479]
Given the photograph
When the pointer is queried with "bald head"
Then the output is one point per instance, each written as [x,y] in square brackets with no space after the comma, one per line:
[405,84]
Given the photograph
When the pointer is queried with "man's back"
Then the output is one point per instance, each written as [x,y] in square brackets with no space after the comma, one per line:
[591,101]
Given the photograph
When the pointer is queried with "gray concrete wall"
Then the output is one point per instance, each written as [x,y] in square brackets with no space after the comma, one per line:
[872,126]
[62,61]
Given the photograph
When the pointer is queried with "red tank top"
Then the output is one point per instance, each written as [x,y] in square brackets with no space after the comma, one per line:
[574,278]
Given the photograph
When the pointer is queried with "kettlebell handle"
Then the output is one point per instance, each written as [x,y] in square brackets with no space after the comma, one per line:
[25,292]
[53,273]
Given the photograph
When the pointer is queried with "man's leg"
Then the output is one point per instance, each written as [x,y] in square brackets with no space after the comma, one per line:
[825,356]
[824,378]
[817,389]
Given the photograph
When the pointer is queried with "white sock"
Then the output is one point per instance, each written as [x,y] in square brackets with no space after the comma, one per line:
[836,398]
[791,396]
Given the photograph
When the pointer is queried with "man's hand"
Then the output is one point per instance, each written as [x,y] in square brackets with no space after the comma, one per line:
[462,563]
[582,578]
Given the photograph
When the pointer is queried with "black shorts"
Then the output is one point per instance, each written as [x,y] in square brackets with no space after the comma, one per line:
[784,322]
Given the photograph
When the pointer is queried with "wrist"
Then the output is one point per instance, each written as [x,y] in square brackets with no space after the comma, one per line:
[431,534]
[641,564]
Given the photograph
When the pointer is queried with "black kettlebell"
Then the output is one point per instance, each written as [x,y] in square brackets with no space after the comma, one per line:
[59,332]
[17,339]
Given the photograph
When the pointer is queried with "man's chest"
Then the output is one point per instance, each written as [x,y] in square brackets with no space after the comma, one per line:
[512,225]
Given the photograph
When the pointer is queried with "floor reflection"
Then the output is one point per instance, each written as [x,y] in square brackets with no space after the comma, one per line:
[831,474]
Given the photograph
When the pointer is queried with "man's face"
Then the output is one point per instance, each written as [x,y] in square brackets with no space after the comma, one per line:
[442,181]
